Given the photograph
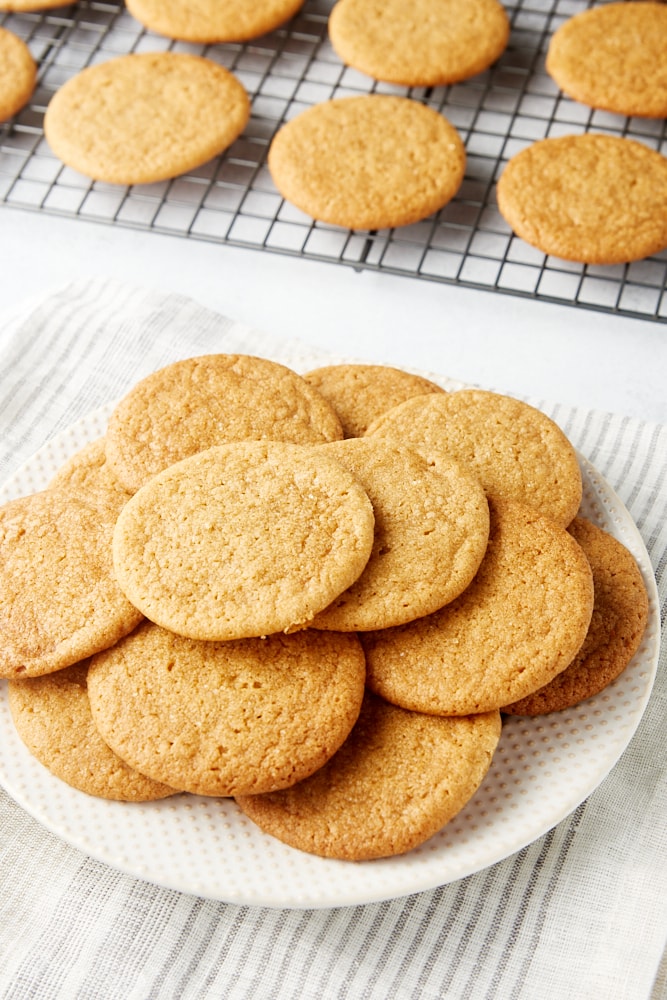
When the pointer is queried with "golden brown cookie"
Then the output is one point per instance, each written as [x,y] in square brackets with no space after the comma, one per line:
[369,162]
[520,622]
[227,718]
[243,540]
[398,779]
[18,73]
[613,57]
[59,600]
[27,6]
[360,393]
[213,399]
[431,530]
[52,716]
[88,472]
[620,615]
[424,43]
[515,450]
[593,198]
[209,21]
[145,117]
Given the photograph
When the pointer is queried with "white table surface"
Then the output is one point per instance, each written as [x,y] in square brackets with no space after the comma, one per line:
[559,353]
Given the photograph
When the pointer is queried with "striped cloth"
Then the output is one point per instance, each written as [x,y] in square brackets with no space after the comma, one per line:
[580,913]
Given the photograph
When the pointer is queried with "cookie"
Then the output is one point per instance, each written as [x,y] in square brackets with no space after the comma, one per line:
[145,117]
[520,622]
[87,472]
[425,43]
[59,600]
[612,57]
[18,74]
[431,530]
[27,6]
[227,718]
[209,21]
[360,393]
[243,540]
[213,399]
[620,615]
[369,162]
[52,716]
[398,779]
[515,450]
[592,198]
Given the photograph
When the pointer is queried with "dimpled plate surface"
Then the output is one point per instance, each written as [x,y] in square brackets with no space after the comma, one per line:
[542,770]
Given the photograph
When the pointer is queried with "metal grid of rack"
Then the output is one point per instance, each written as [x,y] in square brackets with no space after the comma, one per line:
[232,200]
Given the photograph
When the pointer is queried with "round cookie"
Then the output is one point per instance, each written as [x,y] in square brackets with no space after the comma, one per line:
[209,21]
[592,198]
[145,117]
[18,73]
[213,399]
[425,43]
[398,779]
[431,530]
[52,716]
[516,451]
[59,600]
[369,162]
[227,718]
[613,57]
[620,615]
[88,472]
[243,540]
[519,623]
[360,393]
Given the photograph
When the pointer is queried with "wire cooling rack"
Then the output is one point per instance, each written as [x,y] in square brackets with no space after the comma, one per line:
[232,200]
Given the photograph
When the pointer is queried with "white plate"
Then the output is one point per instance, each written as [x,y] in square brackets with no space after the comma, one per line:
[542,770]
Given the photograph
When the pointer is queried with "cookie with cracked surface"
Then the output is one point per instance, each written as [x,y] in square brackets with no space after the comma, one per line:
[227,718]
[243,540]
[591,198]
[612,57]
[209,21]
[59,600]
[516,451]
[369,162]
[360,393]
[145,117]
[396,781]
[520,622]
[53,718]
[620,616]
[87,471]
[194,404]
[18,73]
[431,530]
[426,43]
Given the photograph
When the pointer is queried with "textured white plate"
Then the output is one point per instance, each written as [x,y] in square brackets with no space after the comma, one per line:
[542,770]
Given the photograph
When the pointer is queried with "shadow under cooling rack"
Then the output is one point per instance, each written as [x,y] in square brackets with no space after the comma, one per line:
[232,199]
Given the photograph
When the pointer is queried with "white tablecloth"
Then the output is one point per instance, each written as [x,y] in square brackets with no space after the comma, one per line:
[581,913]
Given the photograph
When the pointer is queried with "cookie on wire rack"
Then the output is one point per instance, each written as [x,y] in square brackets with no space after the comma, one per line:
[18,73]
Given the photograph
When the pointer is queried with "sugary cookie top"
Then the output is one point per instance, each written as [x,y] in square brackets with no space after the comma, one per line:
[243,540]
[592,198]
[18,73]
[422,43]
[227,718]
[368,162]
[516,451]
[209,21]
[59,600]
[398,778]
[520,622]
[145,117]
[613,57]
[360,393]
[431,530]
[212,399]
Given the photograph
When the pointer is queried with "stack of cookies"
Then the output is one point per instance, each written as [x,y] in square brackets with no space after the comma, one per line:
[315,594]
